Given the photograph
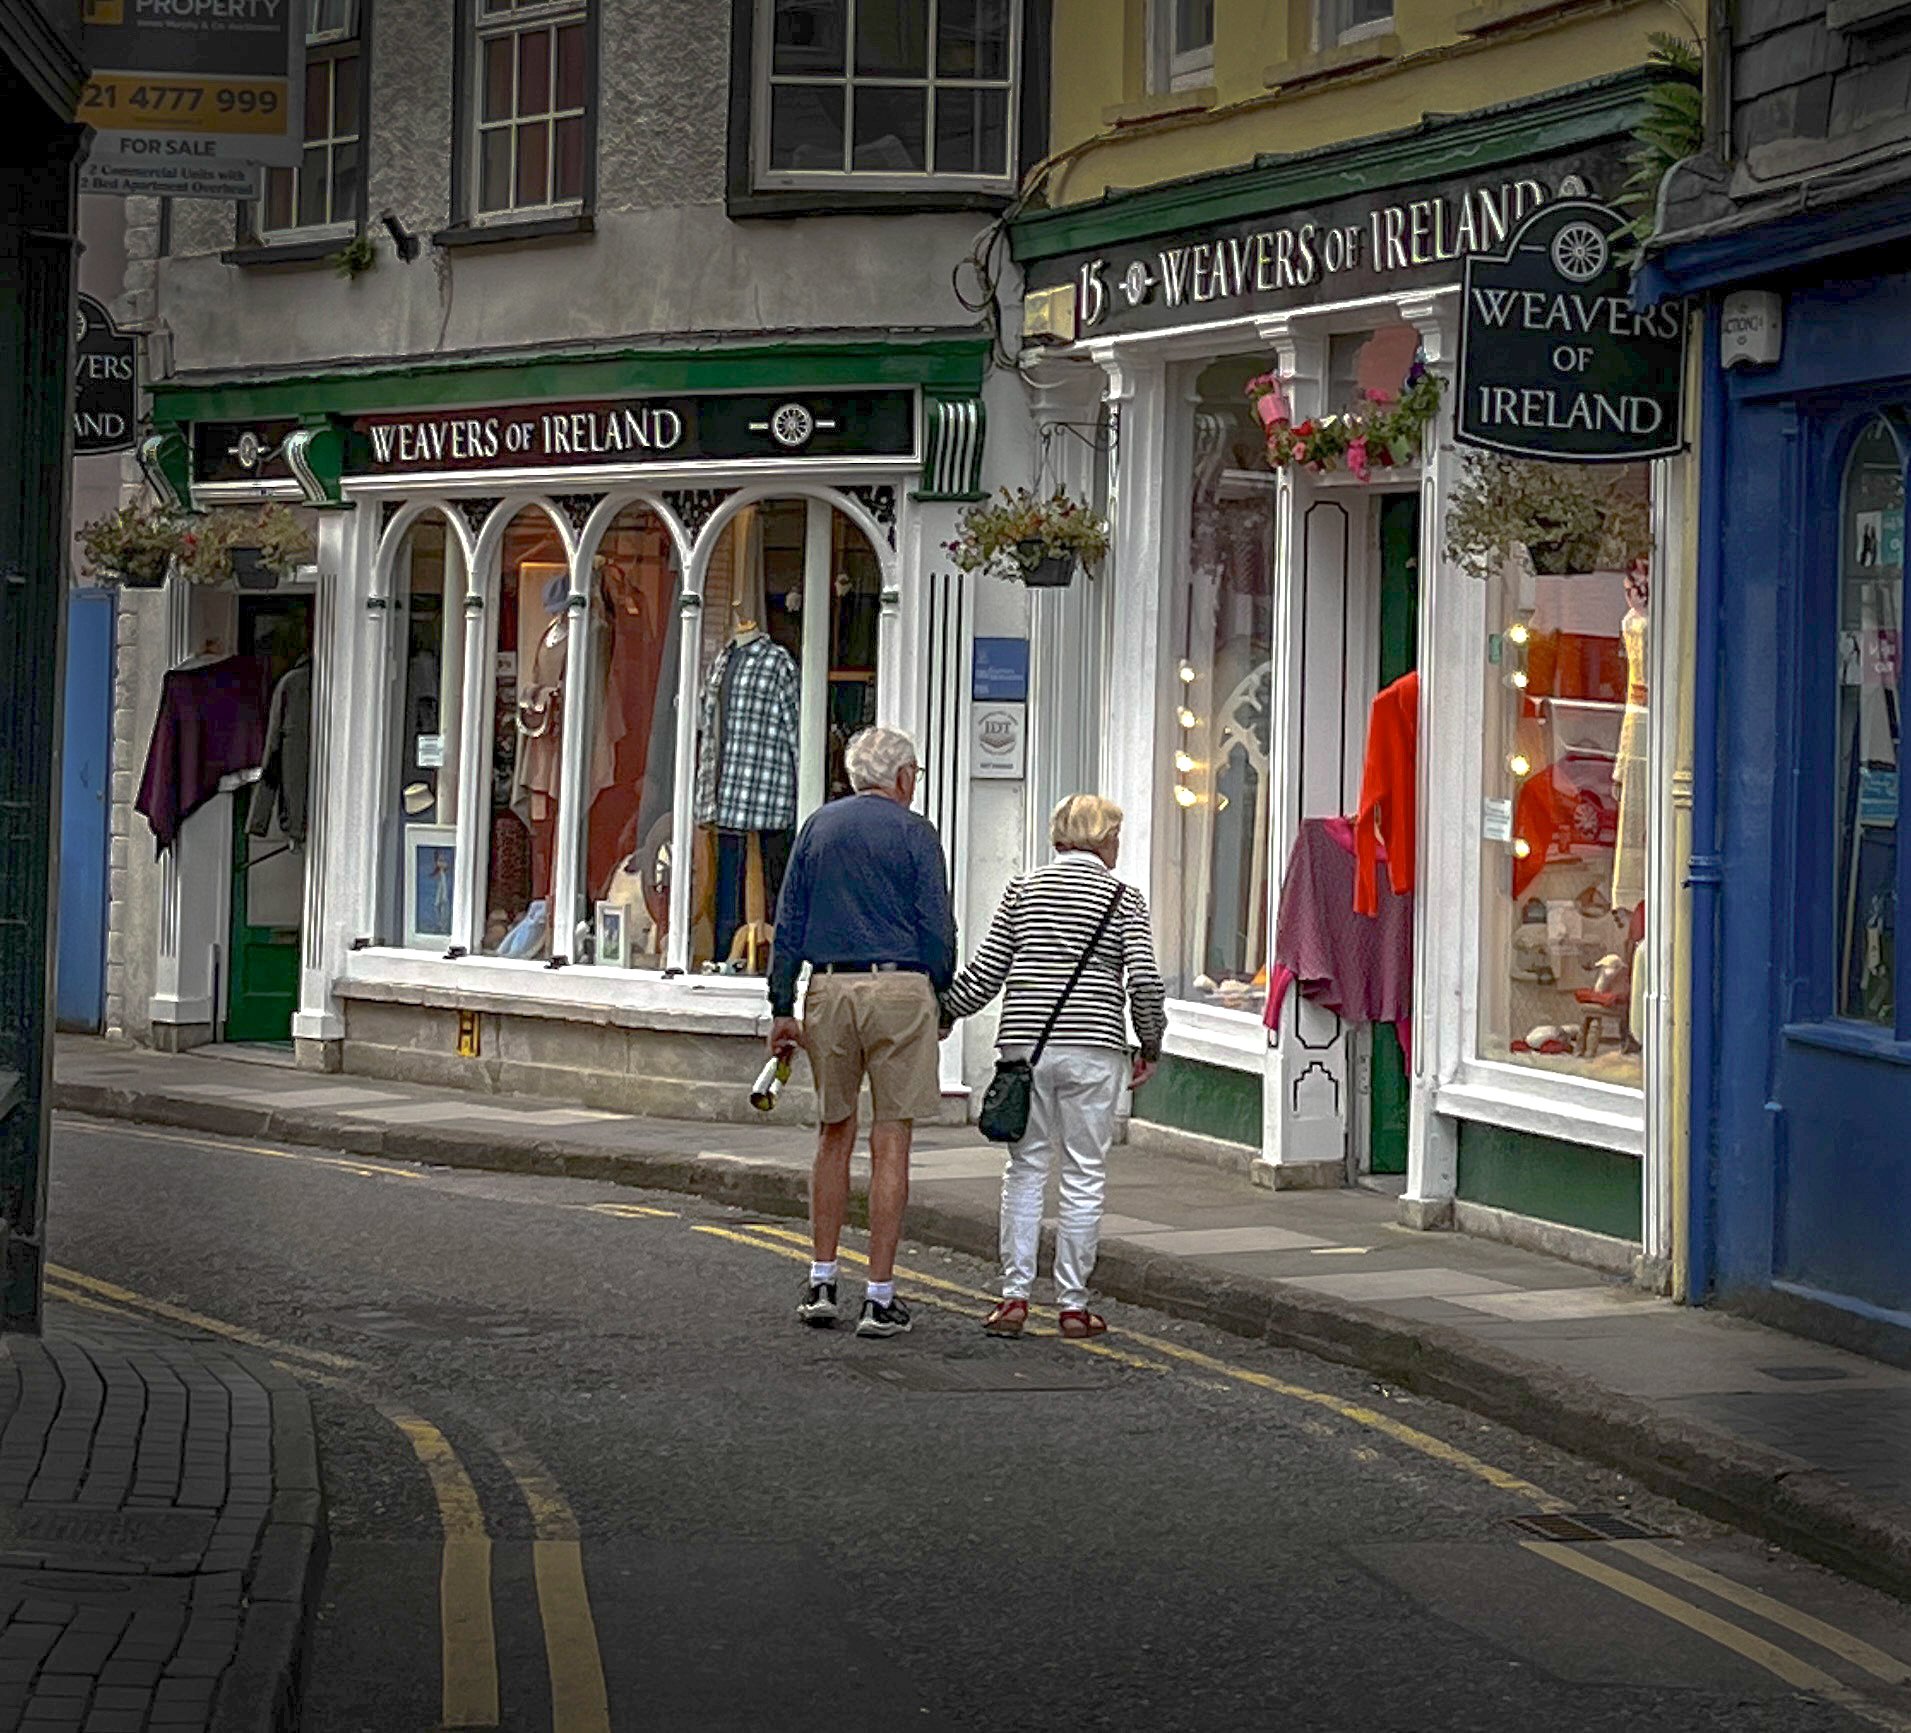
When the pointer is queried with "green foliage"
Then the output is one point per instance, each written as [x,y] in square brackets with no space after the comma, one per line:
[138,543]
[1570,517]
[1016,530]
[356,257]
[134,544]
[1384,431]
[1672,129]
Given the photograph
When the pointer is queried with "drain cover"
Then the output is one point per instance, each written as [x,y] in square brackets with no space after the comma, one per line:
[923,1374]
[1586,1525]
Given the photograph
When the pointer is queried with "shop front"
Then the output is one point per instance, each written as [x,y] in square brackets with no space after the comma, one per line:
[1344,649]
[586,641]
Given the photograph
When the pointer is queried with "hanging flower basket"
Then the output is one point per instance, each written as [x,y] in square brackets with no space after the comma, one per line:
[1385,431]
[1029,539]
[253,546]
[131,547]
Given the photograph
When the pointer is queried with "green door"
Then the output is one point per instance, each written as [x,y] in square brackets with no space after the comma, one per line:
[262,988]
[1399,634]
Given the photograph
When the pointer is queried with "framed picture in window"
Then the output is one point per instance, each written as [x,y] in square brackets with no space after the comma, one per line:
[613,936]
[431,864]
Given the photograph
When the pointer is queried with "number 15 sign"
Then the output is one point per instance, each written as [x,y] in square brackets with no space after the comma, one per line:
[191,97]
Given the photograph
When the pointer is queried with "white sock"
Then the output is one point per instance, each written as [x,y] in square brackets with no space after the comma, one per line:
[822,1273]
[883,1293]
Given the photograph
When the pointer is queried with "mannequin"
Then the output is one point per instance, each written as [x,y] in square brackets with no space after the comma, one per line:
[746,782]
[1629,773]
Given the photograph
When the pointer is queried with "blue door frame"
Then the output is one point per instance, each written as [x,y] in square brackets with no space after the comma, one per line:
[86,770]
[1802,1169]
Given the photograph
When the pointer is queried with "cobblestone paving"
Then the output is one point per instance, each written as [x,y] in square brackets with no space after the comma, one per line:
[136,1480]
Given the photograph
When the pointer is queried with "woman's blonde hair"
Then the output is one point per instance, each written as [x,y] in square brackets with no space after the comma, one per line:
[1083,821]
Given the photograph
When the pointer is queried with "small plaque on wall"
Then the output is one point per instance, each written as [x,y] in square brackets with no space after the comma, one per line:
[998,738]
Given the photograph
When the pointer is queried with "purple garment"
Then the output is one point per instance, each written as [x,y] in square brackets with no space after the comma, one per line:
[1360,967]
[211,723]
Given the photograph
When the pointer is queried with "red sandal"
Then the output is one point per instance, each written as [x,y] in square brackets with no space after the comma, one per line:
[1078,1325]
[1007,1319]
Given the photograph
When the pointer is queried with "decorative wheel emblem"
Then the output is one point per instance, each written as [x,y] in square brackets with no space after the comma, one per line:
[247,450]
[1136,283]
[791,426]
[1579,252]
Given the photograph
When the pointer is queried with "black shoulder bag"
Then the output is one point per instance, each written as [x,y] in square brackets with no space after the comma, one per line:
[1003,1117]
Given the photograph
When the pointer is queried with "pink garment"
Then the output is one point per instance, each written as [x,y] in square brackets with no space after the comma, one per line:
[1358,966]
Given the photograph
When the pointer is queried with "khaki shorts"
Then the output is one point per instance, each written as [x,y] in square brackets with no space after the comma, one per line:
[882,1027]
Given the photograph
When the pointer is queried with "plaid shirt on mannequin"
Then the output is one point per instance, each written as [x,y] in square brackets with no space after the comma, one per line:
[746,773]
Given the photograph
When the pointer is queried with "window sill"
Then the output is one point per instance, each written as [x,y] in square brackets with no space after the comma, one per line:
[1161,105]
[501,234]
[626,998]
[1332,63]
[840,201]
[1571,1109]
[1233,1040]
[1854,1039]
[1494,15]
[318,250]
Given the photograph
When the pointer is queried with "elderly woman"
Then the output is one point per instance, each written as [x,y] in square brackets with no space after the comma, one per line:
[1074,907]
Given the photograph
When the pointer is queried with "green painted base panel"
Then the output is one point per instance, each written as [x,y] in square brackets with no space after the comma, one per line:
[1568,1183]
[1208,1100]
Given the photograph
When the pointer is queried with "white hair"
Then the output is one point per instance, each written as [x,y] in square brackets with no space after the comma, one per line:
[877,757]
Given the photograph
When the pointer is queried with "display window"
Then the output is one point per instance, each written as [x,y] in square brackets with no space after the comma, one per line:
[1870,655]
[1216,731]
[1567,782]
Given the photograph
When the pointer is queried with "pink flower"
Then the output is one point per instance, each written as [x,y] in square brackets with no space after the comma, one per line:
[1357,458]
[1270,400]
[1300,451]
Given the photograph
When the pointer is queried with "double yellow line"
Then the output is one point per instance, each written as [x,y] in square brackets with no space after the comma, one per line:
[468,1638]
[1593,1564]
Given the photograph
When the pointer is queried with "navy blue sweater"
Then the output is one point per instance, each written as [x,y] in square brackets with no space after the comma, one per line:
[866,883]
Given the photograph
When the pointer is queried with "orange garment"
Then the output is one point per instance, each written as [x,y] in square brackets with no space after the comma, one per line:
[1389,793]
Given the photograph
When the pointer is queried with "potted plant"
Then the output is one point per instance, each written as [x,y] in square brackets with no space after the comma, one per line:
[1383,431]
[1028,537]
[133,546]
[254,546]
[1569,517]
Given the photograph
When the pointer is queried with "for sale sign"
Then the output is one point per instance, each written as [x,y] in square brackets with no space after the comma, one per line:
[189,96]
[1555,361]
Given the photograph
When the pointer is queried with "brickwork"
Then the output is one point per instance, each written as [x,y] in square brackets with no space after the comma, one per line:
[140,1479]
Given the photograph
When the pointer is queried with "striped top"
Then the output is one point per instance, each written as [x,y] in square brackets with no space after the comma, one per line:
[1037,937]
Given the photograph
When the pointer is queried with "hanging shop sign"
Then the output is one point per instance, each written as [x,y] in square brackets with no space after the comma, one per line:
[1555,361]
[1336,250]
[683,429]
[191,97]
[106,383]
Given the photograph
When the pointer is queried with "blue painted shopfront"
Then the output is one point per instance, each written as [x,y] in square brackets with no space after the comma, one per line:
[1801,1188]
[86,769]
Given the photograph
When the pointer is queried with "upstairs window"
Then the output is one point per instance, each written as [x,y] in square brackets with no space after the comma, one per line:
[886,93]
[1347,21]
[530,143]
[324,195]
[1182,43]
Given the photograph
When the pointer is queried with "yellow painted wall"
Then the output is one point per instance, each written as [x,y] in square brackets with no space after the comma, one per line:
[1111,132]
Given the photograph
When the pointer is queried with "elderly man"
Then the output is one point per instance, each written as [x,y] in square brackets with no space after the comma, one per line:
[866,904]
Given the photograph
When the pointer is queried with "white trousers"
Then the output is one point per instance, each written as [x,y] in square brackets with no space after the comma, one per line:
[1071,1117]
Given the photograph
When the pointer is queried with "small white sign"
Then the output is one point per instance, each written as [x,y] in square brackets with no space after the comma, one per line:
[998,739]
[1751,328]
[1496,820]
[161,176]
[431,751]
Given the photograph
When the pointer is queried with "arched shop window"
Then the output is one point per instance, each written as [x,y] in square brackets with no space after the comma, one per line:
[628,707]
[792,603]
[1566,552]
[1870,719]
[421,806]
[529,711]
[1213,896]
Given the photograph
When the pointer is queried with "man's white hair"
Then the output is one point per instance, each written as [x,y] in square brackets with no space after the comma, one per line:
[877,757]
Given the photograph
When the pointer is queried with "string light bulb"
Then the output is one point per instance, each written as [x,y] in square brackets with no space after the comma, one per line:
[1517,633]
[1186,717]
[1520,764]
[1517,679]
[1183,763]
[1187,674]
[1184,795]
[1521,848]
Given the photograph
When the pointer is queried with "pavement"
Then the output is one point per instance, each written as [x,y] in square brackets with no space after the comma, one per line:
[1803,1444]
[586,1473]
[161,1531]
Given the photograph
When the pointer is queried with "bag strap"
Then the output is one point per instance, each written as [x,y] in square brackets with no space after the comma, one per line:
[1081,968]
